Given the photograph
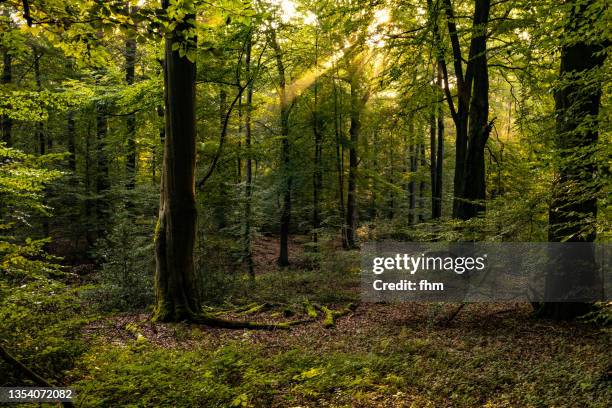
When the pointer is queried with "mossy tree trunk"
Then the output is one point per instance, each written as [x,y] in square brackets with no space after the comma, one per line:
[176,293]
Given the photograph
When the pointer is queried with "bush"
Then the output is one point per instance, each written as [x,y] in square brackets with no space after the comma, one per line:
[127,264]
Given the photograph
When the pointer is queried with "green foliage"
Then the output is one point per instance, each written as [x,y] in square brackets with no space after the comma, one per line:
[39,314]
[125,255]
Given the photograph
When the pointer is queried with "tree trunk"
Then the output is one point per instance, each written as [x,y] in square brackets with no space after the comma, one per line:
[40,134]
[6,123]
[71,141]
[130,120]
[422,184]
[177,297]
[573,210]
[413,170]
[432,157]
[468,183]
[285,219]
[473,185]
[248,169]
[102,176]
[437,202]
[355,128]
[318,153]
[339,164]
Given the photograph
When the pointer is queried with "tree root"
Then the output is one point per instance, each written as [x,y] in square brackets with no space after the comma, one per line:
[37,379]
[332,315]
[453,314]
[241,310]
[310,310]
[215,321]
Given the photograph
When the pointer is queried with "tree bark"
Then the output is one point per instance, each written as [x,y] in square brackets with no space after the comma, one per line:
[248,169]
[437,202]
[318,153]
[285,218]
[177,297]
[473,185]
[573,209]
[412,159]
[6,123]
[354,130]
[102,176]
[71,141]
[422,184]
[339,164]
[130,120]
[468,183]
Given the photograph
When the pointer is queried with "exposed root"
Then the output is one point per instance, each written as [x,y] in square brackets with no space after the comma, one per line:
[332,315]
[310,310]
[453,314]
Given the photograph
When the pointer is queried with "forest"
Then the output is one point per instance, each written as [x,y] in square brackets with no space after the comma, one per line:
[187,186]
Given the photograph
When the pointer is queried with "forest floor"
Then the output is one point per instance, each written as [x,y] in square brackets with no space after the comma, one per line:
[379,355]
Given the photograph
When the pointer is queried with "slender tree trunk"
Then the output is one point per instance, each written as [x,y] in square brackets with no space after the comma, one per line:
[177,297]
[422,184]
[71,141]
[412,159]
[130,120]
[285,219]
[102,176]
[354,130]
[40,134]
[220,210]
[248,169]
[6,123]
[573,210]
[437,202]
[89,201]
[318,153]
[339,164]
[433,179]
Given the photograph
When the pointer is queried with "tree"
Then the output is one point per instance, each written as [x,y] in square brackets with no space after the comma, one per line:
[285,110]
[472,127]
[176,293]
[573,209]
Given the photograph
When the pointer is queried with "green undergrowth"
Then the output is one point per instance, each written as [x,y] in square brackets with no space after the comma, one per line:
[398,370]
[335,280]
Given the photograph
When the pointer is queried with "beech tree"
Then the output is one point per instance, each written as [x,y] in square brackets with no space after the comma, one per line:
[175,281]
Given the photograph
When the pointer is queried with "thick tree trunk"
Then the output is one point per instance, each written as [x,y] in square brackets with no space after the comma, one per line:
[248,169]
[130,120]
[177,297]
[573,210]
